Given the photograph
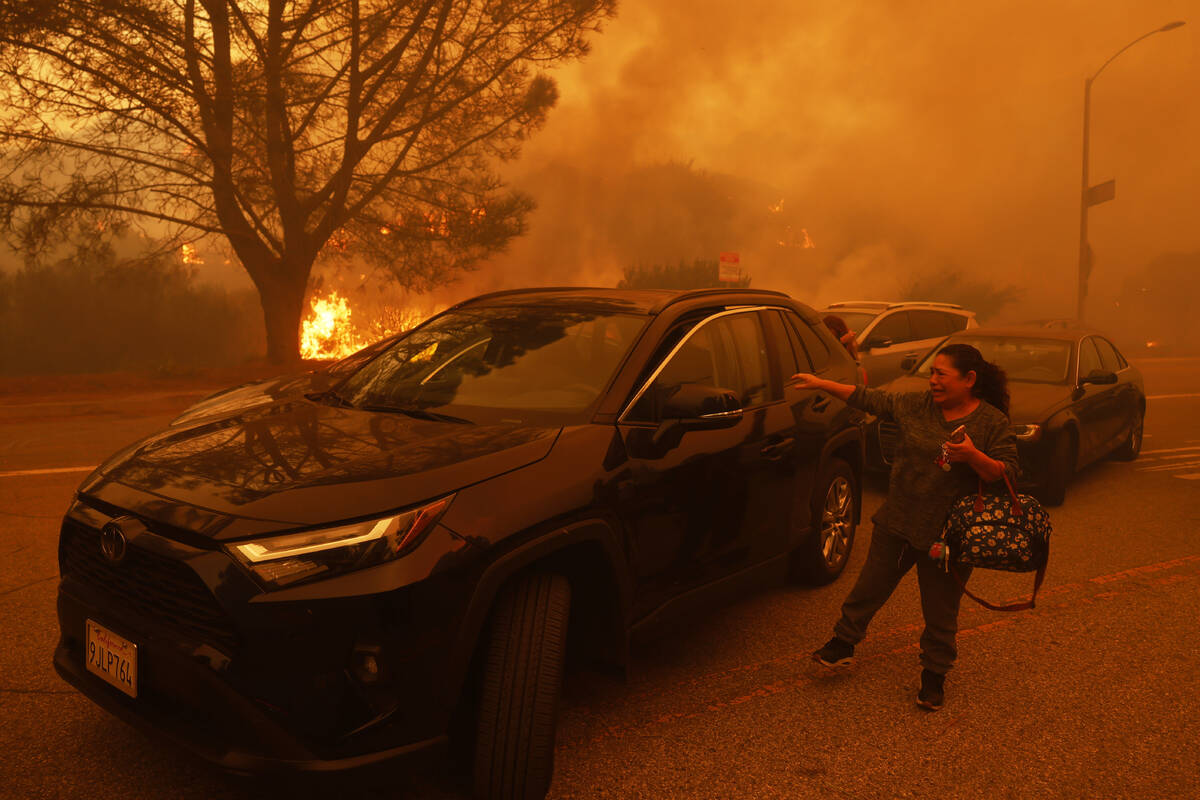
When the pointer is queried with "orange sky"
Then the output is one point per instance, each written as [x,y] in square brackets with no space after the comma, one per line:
[953,128]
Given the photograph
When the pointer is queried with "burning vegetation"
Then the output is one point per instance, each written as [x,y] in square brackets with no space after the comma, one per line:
[331,331]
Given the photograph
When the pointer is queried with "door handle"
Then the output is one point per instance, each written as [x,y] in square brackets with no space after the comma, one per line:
[777,450]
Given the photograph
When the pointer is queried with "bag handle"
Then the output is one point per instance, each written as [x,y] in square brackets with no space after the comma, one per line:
[1023,606]
[1017,509]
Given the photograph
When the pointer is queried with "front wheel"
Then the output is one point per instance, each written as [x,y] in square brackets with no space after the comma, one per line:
[522,678]
[826,550]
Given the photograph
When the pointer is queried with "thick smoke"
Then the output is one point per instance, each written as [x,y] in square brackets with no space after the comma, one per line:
[906,138]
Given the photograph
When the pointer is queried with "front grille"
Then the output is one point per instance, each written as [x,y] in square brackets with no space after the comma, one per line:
[151,585]
[889,436]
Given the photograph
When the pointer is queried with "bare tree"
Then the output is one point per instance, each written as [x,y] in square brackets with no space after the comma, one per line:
[296,130]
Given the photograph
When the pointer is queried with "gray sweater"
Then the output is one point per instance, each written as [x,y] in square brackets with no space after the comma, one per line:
[920,493]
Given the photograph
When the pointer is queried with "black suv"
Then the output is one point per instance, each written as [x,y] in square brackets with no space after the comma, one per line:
[325,571]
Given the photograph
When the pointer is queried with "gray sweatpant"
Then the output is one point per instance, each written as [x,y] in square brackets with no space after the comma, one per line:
[888,560]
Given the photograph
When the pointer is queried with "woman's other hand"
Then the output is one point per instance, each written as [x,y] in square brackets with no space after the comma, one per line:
[961,452]
[803,380]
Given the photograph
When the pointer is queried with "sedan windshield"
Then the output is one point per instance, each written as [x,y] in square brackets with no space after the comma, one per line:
[510,358]
[1025,360]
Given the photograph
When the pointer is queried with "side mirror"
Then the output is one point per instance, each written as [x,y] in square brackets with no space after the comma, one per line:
[1099,376]
[698,407]
[876,341]
[907,363]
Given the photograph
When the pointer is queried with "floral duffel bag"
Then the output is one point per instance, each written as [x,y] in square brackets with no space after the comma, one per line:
[1006,532]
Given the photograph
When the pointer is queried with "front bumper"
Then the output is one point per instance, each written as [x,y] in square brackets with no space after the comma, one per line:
[252,686]
[185,703]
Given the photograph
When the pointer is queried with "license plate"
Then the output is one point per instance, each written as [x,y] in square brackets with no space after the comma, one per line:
[112,657]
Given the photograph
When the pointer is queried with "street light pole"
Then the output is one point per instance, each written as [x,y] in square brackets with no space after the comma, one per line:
[1087,197]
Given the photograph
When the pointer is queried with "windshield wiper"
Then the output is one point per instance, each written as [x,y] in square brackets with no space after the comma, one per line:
[416,413]
[329,396]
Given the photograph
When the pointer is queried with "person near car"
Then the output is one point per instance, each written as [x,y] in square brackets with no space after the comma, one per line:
[964,390]
[838,327]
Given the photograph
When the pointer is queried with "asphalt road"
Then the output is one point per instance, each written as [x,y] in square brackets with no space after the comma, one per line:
[1096,693]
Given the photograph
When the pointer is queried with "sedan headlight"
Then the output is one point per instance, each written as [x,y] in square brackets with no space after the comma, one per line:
[1027,433]
[285,560]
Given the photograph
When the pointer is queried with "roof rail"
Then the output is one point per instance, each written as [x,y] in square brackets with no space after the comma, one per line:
[925,303]
[866,303]
[689,294]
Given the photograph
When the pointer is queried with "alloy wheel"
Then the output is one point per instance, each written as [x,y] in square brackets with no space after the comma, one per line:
[836,520]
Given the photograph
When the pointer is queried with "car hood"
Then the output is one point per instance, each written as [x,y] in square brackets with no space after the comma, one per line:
[295,462]
[1029,403]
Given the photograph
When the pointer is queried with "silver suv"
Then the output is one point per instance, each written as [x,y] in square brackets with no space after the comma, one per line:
[892,337]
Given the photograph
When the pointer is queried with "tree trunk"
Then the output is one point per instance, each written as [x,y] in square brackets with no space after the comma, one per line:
[283,306]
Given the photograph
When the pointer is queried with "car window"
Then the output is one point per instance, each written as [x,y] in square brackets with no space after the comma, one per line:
[929,324]
[726,353]
[958,322]
[750,356]
[1089,358]
[1108,354]
[894,326]
[856,321]
[813,345]
[789,360]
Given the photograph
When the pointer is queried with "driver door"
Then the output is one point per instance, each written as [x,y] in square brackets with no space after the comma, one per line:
[700,507]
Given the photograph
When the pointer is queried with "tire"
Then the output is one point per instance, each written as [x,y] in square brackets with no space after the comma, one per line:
[1062,468]
[519,692]
[826,549]
[1132,446]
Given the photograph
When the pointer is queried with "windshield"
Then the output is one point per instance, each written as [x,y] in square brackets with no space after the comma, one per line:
[857,321]
[511,358]
[1024,360]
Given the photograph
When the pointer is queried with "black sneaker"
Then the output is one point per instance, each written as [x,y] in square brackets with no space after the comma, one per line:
[836,654]
[933,690]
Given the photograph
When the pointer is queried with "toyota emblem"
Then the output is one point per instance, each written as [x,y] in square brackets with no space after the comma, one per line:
[112,542]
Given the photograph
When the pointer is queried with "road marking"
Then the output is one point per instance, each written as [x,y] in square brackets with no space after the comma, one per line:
[1170,396]
[1169,467]
[56,471]
[1193,476]
[1170,450]
[1192,454]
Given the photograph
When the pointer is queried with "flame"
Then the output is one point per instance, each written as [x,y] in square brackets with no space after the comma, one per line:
[806,240]
[326,332]
[329,331]
[776,208]
[188,253]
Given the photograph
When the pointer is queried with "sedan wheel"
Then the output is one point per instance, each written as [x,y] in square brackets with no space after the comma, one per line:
[1132,446]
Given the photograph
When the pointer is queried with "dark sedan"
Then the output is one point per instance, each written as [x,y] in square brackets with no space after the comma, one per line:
[331,570]
[1075,400]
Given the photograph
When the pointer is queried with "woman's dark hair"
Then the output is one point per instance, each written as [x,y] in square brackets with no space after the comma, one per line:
[991,383]
[837,325]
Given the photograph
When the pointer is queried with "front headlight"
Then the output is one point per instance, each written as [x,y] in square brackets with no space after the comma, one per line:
[1027,433]
[295,557]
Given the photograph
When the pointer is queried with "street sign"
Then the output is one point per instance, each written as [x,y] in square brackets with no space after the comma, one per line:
[730,269]
[1101,193]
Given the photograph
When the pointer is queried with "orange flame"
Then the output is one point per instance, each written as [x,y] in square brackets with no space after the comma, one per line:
[188,253]
[329,331]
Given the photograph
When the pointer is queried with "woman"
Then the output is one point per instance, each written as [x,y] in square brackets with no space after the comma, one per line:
[966,390]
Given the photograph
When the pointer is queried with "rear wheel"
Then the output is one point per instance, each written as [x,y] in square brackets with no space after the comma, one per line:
[824,554]
[1132,446]
[522,678]
[1061,468]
